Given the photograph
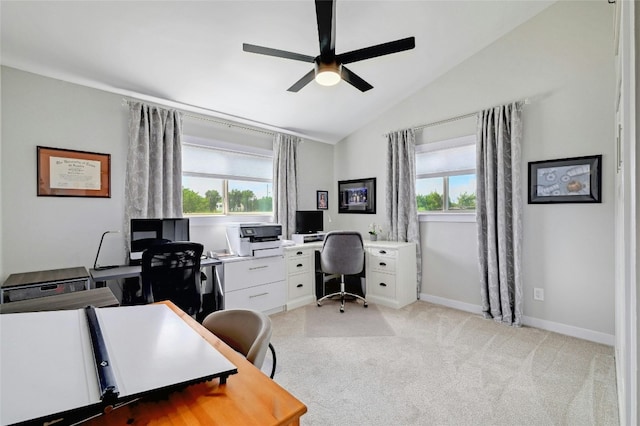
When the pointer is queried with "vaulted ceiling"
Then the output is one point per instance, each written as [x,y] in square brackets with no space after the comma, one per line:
[190,53]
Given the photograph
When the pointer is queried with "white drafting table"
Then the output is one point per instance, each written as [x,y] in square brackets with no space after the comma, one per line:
[47,363]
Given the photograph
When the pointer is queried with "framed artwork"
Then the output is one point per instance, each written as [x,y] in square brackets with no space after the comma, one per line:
[70,173]
[567,180]
[322,200]
[357,196]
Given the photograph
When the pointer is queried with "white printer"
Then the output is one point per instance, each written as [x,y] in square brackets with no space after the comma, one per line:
[255,239]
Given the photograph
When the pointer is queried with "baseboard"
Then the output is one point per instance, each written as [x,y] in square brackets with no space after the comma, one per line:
[556,327]
[450,303]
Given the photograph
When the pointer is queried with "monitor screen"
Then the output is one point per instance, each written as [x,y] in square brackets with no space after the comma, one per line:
[309,221]
[146,230]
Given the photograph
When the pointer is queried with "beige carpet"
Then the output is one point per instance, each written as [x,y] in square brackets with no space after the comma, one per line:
[439,366]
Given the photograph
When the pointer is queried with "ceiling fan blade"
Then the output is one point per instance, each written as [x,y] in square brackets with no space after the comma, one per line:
[377,50]
[326,16]
[351,78]
[252,48]
[303,81]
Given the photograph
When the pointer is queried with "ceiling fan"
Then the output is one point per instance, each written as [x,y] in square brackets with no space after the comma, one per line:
[329,68]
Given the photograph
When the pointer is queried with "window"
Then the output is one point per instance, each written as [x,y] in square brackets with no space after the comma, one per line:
[220,181]
[445,176]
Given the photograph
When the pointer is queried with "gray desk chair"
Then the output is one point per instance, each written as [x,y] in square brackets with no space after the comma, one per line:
[246,331]
[342,254]
[171,271]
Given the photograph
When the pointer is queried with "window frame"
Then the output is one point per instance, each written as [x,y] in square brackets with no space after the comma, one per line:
[446,215]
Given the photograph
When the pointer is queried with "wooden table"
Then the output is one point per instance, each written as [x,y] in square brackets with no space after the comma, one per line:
[248,398]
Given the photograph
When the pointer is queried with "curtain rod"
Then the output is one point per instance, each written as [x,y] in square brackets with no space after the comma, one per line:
[221,121]
[457,117]
[230,124]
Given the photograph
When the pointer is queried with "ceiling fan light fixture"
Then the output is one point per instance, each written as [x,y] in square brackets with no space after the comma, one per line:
[328,74]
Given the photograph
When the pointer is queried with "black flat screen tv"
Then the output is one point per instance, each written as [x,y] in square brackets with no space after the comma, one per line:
[309,221]
[357,196]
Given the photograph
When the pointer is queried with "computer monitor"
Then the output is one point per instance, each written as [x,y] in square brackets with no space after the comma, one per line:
[309,221]
[145,232]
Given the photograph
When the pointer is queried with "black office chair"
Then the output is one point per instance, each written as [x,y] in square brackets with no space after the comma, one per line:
[171,271]
[343,254]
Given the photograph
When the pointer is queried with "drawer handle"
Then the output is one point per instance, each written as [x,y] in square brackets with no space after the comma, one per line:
[382,251]
[299,265]
[258,267]
[48,287]
[383,264]
[383,285]
[258,295]
[299,286]
[299,253]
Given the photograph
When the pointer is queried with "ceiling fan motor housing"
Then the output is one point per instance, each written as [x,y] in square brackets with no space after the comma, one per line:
[327,74]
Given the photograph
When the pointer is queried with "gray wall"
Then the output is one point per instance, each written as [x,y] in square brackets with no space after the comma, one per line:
[562,60]
[55,232]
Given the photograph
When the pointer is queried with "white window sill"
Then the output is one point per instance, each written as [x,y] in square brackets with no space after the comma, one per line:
[447,217]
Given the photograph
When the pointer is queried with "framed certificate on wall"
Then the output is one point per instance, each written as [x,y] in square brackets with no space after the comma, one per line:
[70,173]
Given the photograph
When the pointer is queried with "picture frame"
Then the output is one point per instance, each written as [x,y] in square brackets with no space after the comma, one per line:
[322,200]
[357,196]
[566,180]
[72,173]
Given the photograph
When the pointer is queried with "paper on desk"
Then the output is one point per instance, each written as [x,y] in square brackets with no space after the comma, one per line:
[46,365]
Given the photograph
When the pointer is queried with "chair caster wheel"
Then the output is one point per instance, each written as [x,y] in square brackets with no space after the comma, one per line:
[366,306]
[318,304]
[342,310]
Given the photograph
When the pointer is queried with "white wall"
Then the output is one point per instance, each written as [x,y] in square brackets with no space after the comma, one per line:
[55,232]
[562,60]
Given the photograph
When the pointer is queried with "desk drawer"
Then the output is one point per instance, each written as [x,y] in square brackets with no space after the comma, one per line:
[300,285]
[252,272]
[43,289]
[260,298]
[383,285]
[382,264]
[299,265]
[383,252]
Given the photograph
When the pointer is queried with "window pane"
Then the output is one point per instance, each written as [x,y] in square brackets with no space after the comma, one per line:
[462,192]
[446,160]
[250,197]
[429,194]
[197,159]
[202,195]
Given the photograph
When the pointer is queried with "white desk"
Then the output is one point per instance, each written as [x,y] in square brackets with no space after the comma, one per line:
[131,271]
[390,271]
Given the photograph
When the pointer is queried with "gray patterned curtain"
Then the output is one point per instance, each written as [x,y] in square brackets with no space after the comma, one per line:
[285,182]
[499,212]
[153,185]
[401,206]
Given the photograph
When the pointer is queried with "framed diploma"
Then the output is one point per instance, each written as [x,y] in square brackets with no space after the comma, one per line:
[69,173]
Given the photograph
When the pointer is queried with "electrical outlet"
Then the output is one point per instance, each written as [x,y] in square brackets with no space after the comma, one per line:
[538,294]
